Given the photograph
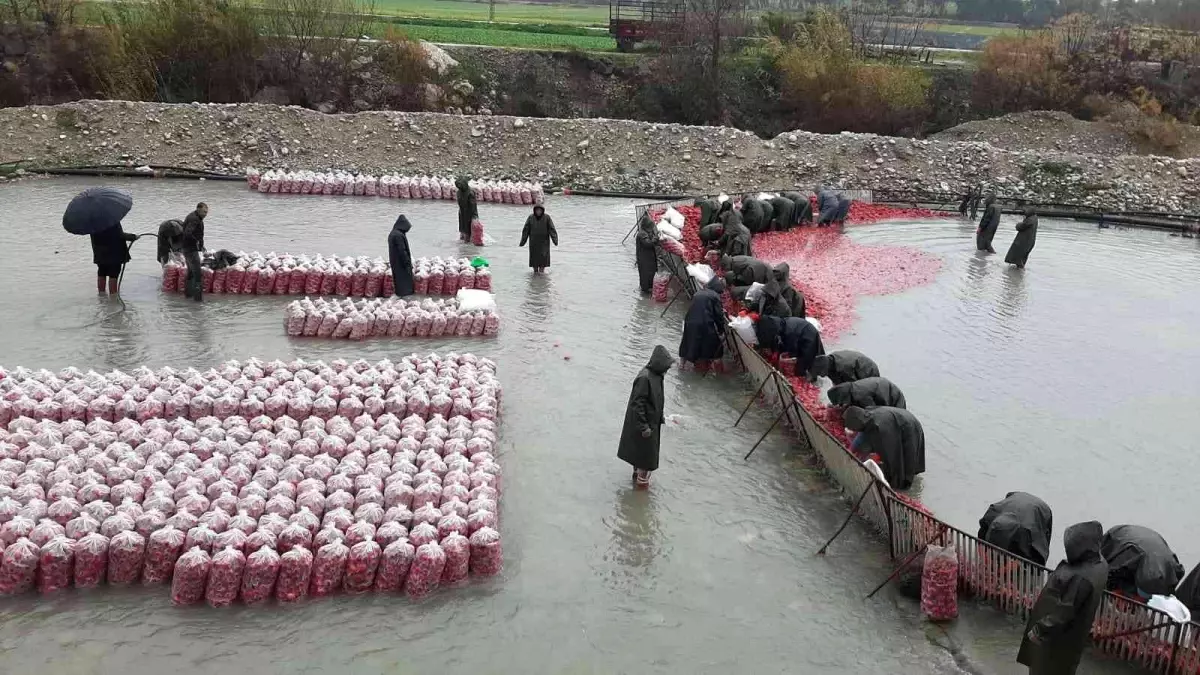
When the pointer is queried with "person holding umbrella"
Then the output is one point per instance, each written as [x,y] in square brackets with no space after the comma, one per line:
[193,244]
[110,253]
[97,212]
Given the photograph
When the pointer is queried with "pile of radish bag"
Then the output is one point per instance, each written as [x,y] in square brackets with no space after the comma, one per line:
[391,186]
[287,274]
[367,477]
[392,317]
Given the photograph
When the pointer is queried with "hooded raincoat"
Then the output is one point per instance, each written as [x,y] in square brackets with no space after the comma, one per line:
[539,232]
[646,244]
[1062,616]
[640,435]
[784,211]
[743,270]
[846,365]
[400,257]
[1140,559]
[869,392]
[1021,524]
[793,297]
[1189,591]
[704,325]
[711,233]
[708,211]
[896,436]
[827,205]
[771,302]
[1022,245]
[468,207]
[803,212]
[736,239]
[987,226]
[754,215]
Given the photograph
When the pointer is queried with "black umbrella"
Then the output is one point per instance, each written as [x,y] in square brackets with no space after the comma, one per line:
[96,210]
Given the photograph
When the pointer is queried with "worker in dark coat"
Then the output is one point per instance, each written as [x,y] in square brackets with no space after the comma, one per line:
[1189,591]
[400,257]
[170,240]
[895,435]
[708,211]
[1140,562]
[1022,246]
[468,207]
[793,297]
[1061,620]
[743,270]
[539,232]
[845,365]
[704,325]
[711,234]
[793,337]
[640,435]
[803,212]
[1021,524]
[736,238]
[646,243]
[843,210]
[192,243]
[784,214]
[987,225]
[771,302]
[110,252]
[753,215]
[827,206]
[869,392]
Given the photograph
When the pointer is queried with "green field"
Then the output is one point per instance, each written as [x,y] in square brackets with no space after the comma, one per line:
[967,29]
[517,12]
[490,37]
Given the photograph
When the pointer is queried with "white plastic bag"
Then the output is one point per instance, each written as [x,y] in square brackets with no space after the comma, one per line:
[668,230]
[744,326]
[701,273]
[471,300]
[754,293]
[673,218]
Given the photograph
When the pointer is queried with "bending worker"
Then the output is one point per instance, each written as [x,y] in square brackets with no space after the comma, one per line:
[793,336]
[1021,524]
[735,239]
[192,243]
[1140,563]
[793,297]
[894,435]
[845,365]
[170,240]
[869,392]
[743,270]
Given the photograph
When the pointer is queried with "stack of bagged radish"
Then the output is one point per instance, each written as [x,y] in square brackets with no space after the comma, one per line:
[397,492]
[287,274]
[390,185]
[466,315]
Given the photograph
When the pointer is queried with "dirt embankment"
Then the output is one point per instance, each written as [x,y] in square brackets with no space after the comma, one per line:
[1059,131]
[594,154]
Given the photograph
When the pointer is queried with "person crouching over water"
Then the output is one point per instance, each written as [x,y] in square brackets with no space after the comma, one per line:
[641,433]
[539,232]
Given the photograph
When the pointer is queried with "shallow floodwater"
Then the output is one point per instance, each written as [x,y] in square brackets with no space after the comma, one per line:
[710,571]
[1075,379]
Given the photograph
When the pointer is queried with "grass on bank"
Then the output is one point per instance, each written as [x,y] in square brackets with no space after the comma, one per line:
[516,12]
[495,37]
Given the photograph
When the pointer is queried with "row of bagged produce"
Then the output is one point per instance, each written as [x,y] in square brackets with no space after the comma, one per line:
[391,185]
[285,274]
[392,317]
[421,386]
[254,508]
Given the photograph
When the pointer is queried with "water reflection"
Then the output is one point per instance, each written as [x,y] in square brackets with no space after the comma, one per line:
[636,538]
[1012,293]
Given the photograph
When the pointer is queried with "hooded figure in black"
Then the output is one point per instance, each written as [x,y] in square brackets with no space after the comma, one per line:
[754,215]
[708,211]
[1061,620]
[771,302]
[192,243]
[1022,246]
[803,212]
[539,232]
[895,435]
[711,234]
[736,239]
[704,325]
[793,297]
[987,226]
[792,336]
[827,205]
[1021,524]
[644,414]
[170,240]
[845,365]
[1139,559]
[468,207]
[1189,591]
[869,392]
[784,211]
[743,270]
[646,244]
[400,257]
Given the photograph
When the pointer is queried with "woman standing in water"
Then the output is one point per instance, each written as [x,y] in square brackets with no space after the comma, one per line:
[539,232]
[1018,253]
[468,208]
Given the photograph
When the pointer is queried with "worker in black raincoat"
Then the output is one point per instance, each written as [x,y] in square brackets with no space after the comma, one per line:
[736,237]
[640,435]
[400,257]
[895,435]
[869,392]
[793,337]
[110,252]
[1189,591]
[170,240]
[1021,524]
[770,301]
[793,297]
[192,243]
[827,206]
[539,232]
[743,270]
[646,243]
[1022,245]
[704,325]
[845,365]
[803,212]
[708,211]
[710,235]
[843,210]
[783,214]
[468,207]
[1140,562]
[1061,620]
[987,225]
[753,215]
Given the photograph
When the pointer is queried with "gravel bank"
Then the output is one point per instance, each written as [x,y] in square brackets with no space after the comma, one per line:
[592,154]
